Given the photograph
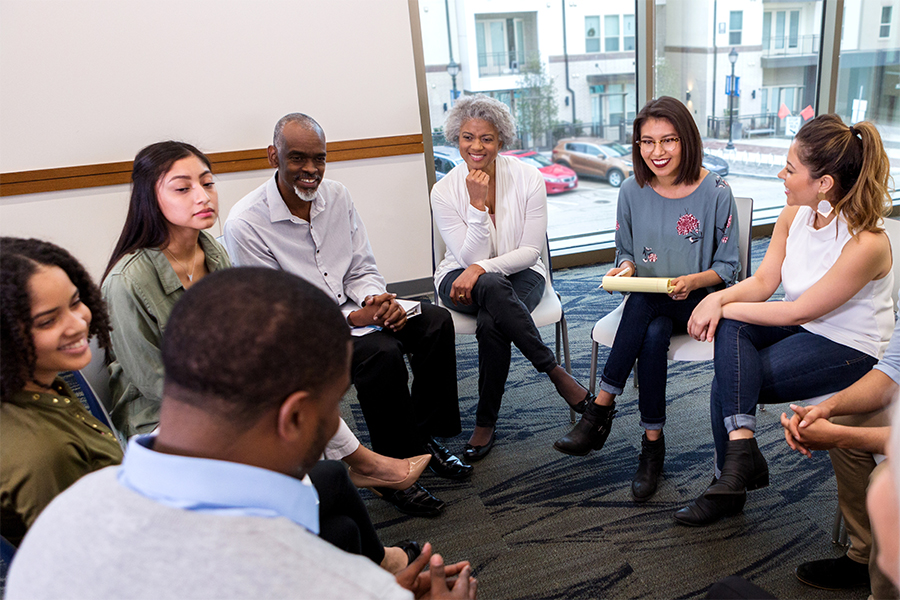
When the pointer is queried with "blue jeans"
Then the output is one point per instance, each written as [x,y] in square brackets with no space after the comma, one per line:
[502,307]
[648,321]
[758,364]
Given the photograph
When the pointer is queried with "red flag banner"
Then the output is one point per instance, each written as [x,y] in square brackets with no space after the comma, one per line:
[783,111]
[807,113]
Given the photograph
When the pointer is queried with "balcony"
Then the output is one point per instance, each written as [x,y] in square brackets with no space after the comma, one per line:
[790,51]
[790,45]
[495,64]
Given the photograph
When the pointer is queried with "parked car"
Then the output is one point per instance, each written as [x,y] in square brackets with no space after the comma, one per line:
[445,158]
[595,156]
[715,164]
[557,178]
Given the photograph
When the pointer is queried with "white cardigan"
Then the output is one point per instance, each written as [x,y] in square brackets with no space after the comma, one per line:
[515,243]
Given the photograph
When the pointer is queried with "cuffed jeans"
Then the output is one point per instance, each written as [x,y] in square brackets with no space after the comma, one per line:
[400,421]
[758,364]
[502,305]
[648,321]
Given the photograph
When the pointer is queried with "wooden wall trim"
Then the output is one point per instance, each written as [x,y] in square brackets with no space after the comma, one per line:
[86,176]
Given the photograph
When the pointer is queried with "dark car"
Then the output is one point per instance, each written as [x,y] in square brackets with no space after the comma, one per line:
[715,164]
[445,158]
[557,178]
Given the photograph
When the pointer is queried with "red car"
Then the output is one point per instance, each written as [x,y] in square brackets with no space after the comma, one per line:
[557,178]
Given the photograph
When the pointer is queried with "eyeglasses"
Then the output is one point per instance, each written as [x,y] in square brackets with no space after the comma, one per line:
[668,144]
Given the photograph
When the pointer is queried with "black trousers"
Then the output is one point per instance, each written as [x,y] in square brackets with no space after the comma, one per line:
[502,306]
[400,421]
[343,519]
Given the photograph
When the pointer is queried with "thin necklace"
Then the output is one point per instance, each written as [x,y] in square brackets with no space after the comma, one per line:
[190,275]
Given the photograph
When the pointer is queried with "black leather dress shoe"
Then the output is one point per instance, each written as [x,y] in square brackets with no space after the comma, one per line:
[475,453]
[834,573]
[414,500]
[444,464]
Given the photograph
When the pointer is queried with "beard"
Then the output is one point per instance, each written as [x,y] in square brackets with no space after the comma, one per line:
[305,195]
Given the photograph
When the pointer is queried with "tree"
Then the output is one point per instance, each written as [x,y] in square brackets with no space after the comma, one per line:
[536,107]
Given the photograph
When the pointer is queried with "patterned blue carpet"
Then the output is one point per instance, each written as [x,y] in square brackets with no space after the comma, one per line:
[539,524]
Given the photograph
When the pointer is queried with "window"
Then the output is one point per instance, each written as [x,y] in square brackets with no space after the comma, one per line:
[501,46]
[735,25]
[786,25]
[611,26]
[592,34]
[629,33]
[885,30]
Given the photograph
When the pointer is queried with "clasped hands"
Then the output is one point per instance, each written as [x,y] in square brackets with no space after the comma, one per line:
[382,310]
[440,581]
[808,429]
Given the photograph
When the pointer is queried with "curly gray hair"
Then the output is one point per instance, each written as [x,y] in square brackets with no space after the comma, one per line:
[481,107]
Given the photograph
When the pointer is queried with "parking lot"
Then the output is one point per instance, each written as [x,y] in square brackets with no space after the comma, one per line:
[587,215]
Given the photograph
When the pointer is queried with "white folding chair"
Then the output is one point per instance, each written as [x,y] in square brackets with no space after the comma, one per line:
[548,311]
[682,346]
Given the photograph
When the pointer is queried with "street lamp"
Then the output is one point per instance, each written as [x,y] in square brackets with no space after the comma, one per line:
[732,57]
[453,71]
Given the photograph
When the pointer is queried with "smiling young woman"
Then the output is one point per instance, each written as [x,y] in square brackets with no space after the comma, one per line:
[163,250]
[50,307]
[833,259]
[674,219]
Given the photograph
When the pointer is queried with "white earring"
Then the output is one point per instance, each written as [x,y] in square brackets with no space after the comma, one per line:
[824,207]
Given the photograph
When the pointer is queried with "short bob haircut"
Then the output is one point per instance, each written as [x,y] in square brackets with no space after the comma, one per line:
[481,107]
[676,113]
[20,259]
[145,225]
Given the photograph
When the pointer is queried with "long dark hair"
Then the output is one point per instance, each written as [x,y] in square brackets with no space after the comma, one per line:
[676,113]
[145,225]
[19,260]
[856,160]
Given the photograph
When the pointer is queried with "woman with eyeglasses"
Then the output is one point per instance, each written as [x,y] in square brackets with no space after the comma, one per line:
[674,219]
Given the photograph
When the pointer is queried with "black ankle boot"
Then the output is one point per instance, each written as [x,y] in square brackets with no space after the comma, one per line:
[745,469]
[650,465]
[590,432]
[706,509]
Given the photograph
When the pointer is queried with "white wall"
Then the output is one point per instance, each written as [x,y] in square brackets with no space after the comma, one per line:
[93,81]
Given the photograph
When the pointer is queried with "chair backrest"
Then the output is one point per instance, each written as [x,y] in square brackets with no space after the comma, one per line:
[745,233]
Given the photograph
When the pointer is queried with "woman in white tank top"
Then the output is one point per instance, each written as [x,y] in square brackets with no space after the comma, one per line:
[831,254]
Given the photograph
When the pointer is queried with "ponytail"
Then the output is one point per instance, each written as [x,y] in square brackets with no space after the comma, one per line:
[856,160]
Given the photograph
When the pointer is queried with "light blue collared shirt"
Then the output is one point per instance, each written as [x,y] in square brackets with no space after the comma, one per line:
[217,486]
[890,362]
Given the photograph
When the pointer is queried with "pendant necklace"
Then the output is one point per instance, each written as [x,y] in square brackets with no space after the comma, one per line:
[190,275]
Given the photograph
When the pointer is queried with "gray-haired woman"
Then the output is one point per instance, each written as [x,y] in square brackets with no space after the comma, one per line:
[492,215]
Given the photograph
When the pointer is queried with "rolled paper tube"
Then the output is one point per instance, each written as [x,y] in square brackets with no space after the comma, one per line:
[658,285]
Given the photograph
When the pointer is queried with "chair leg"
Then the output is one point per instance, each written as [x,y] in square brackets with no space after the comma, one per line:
[635,381]
[592,382]
[839,530]
[562,334]
[565,343]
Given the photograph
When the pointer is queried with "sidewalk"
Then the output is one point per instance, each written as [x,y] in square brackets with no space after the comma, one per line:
[765,157]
